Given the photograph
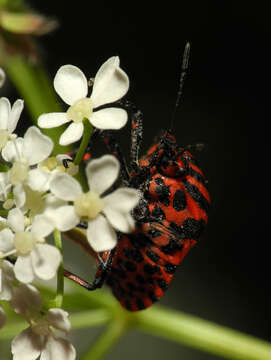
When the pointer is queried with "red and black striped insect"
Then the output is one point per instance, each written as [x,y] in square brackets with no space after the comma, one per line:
[170,217]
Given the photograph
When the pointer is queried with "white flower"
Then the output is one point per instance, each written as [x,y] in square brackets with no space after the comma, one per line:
[6,287]
[34,256]
[2,317]
[9,117]
[28,200]
[2,77]
[5,186]
[25,152]
[40,177]
[40,338]
[111,83]
[3,223]
[6,279]
[103,214]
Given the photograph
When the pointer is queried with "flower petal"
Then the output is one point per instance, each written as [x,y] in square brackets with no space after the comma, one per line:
[58,348]
[4,113]
[5,186]
[70,83]
[37,146]
[5,289]
[52,202]
[100,234]
[26,346]
[7,267]
[42,226]
[65,187]
[6,240]
[58,318]
[23,269]
[6,285]
[64,217]
[45,260]
[72,134]
[109,118]
[38,180]
[19,195]
[111,83]
[117,208]
[26,300]
[52,120]
[16,220]
[15,114]
[102,173]
[13,150]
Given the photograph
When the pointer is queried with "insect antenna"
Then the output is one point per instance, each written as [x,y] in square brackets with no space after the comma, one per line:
[184,68]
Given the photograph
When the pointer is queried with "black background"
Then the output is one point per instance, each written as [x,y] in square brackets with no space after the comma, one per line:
[226,277]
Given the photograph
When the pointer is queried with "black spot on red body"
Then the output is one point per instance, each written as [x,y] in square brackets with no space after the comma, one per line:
[176,229]
[158,213]
[163,191]
[140,279]
[118,272]
[133,254]
[130,266]
[192,228]
[162,284]
[169,268]
[177,202]
[171,247]
[140,304]
[131,286]
[141,289]
[194,192]
[152,296]
[128,305]
[151,269]
[152,255]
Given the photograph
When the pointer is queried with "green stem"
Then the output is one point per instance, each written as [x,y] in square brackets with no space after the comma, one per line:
[88,129]
[36,89]
[58,300]
[84,319]
[201,334]
[108,338]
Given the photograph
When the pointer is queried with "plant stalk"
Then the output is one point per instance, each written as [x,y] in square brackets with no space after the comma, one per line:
[201,334]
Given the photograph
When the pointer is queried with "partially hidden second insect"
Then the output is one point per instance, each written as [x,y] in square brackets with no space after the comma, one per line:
[170,217]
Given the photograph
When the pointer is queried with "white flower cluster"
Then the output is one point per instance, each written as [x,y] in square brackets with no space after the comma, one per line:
[38,195]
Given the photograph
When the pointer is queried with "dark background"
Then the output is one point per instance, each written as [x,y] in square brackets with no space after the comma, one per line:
[226,277]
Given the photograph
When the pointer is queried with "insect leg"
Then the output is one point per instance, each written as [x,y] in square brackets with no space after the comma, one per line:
[96,284]
[136,130]
[114,148]
[136,139]
[100,277]
[136,135]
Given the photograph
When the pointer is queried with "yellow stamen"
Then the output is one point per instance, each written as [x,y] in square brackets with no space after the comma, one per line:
[79,110]
[88,205]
